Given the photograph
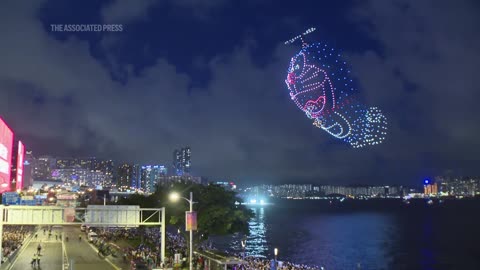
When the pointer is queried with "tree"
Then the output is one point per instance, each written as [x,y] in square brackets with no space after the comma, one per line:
[217,211]
[139,199]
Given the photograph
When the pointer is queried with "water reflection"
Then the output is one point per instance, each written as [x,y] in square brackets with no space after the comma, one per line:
[257,240]
[400,238]
[323,239]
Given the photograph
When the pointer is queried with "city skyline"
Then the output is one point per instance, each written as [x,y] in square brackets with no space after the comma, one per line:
[122,173]
[212,76]
[47,167]
[59,162]
[94,172]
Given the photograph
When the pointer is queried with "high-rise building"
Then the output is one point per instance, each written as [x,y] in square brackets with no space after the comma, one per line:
[182,160]
[150,176]
[18,160]
[101,171]
[78,176]
[177,161]
[458,186]
[13,166]
[98,178]
[186,178]
[63,163]
[106,167]
[28,169]
[186,159]
[44,166]
[124,175]
[136,176]
[75,176]
[89,163]
[429,188]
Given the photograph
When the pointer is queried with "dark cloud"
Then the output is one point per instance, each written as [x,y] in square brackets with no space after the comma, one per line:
[124,11]
[240,122]
[424,74]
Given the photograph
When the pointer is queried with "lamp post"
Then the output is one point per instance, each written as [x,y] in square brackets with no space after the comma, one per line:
[275,251]
[244,244]
[174,196]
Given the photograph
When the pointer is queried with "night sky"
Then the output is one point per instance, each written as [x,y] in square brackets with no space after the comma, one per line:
[210,74]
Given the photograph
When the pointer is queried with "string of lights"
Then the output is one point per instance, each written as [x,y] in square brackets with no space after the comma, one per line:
[292,40]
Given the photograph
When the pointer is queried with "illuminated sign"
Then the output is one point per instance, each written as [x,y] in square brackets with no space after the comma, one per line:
[66,197]
[6,142]
[20,157]
[10,198]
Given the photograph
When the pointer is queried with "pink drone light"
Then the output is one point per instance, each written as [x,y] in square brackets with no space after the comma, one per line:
[309,88]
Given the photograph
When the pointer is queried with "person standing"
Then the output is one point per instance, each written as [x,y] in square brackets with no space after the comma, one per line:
[273,264]
[34,259]
[39,248]
[38,260]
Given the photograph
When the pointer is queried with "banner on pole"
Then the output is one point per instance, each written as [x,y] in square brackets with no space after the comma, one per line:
[190,221]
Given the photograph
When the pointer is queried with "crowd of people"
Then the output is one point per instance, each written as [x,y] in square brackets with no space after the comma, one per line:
[13,237]
[149,252]
[265,264]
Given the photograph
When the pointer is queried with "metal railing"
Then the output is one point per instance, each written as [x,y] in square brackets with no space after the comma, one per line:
[65,262]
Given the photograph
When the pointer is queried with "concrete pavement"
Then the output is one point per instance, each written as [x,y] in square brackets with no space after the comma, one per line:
[51,254]
[81,254]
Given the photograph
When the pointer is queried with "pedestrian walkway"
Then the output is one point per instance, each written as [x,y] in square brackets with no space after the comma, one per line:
[50,253]
[82,255]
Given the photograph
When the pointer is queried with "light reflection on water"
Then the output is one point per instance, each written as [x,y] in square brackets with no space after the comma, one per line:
[256,244]
[322,239]
[380,237]
[257,240]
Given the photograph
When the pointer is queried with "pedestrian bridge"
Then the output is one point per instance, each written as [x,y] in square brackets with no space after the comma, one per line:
[93,215]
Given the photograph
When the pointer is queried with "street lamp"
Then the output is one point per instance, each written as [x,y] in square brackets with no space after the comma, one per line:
[244,244]
[275,251]
[174,196]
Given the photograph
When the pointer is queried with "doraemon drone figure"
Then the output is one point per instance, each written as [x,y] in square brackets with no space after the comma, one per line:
[320,84]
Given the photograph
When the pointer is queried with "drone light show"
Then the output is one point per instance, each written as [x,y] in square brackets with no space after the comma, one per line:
[321,85]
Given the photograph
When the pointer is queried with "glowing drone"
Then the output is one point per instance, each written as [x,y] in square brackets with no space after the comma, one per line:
[320,84]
